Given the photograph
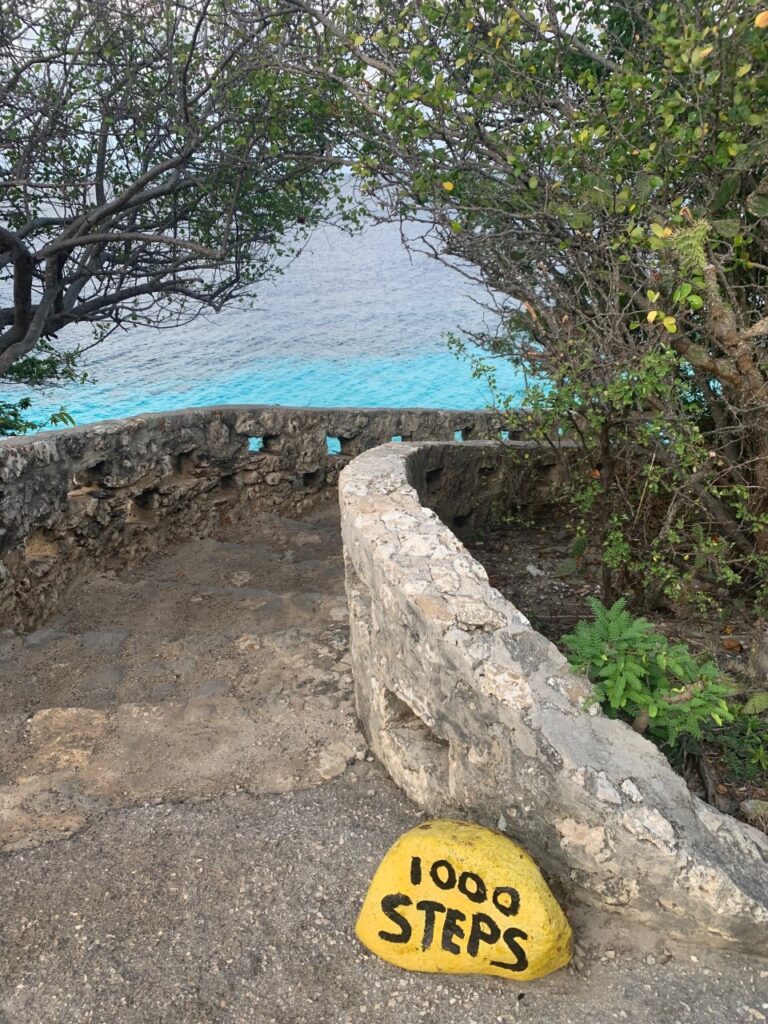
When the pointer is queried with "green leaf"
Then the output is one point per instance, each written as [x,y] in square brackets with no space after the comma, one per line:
[700,54]
[725,193]
[727,228]
[757,204]
[757,704]
[567,567]
[578,547]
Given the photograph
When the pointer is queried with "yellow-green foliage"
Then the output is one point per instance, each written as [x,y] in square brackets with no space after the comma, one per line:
[638,672]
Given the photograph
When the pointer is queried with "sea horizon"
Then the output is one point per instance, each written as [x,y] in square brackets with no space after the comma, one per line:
[354,320]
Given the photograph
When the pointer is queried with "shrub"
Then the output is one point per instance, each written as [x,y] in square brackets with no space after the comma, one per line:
[603,167]
[639,674]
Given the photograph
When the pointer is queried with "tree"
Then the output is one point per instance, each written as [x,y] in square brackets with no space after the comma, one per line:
[602,165]
[152,158]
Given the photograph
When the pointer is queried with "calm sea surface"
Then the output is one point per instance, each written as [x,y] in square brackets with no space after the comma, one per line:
[353,321]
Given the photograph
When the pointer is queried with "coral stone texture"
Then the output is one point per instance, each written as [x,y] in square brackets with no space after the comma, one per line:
[451,897]
[218,664]
[471,710]
[103,495]
[221,663]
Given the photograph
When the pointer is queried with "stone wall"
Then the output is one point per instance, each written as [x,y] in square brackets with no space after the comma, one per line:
[108,493]
[473,712]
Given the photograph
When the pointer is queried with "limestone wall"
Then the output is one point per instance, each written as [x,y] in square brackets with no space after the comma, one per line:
[106,494]
[473,712]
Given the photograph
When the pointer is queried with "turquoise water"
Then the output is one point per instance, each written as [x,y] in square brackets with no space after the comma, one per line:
[352,321]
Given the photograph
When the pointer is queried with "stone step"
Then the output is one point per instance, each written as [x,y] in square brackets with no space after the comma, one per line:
[220,664]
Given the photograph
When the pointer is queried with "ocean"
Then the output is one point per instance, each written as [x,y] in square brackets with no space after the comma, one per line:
[352,321]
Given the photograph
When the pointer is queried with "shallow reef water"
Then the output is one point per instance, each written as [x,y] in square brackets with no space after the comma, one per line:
[353,321]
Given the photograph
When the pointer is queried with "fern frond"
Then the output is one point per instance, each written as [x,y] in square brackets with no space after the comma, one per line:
[690,247]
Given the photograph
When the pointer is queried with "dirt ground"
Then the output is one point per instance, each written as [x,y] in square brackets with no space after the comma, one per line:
[221,665]
[190,819]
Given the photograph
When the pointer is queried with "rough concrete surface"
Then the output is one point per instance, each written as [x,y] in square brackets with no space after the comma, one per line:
[172,896]
[219,664]
[106,494]
[242,909]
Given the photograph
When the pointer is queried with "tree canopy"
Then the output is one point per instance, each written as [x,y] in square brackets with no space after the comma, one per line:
[602,165]
[153,159]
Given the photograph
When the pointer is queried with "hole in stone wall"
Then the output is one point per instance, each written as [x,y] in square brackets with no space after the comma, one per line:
[184,463]
[433,475]
[255,444]
[143,507]
[271,443]
[461,521]
[421,747]
[147,500]
[313,478]
[227,482]
[486,471]
[90,475]
[332,445]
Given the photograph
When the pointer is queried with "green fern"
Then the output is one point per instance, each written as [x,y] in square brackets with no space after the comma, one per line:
[690,247]
[638,673]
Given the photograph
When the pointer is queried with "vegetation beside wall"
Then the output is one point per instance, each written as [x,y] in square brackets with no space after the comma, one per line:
[602,166]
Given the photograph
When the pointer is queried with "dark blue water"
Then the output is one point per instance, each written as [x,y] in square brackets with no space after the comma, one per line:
[352,321]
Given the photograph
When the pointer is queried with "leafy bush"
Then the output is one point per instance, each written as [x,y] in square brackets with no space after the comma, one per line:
[156,162]
[638,673]
[742,747]
[603,166]
[47,367]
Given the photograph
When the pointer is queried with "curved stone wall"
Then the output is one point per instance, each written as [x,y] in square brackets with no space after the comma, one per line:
[474,712]
[105,494]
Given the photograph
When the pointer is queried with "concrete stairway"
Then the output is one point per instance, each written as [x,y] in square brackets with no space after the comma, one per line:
[217,666]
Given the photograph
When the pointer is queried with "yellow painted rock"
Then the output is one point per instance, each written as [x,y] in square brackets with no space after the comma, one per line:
[457,898]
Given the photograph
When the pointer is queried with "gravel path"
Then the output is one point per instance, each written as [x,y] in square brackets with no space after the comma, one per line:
[242,909]
[221,664]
